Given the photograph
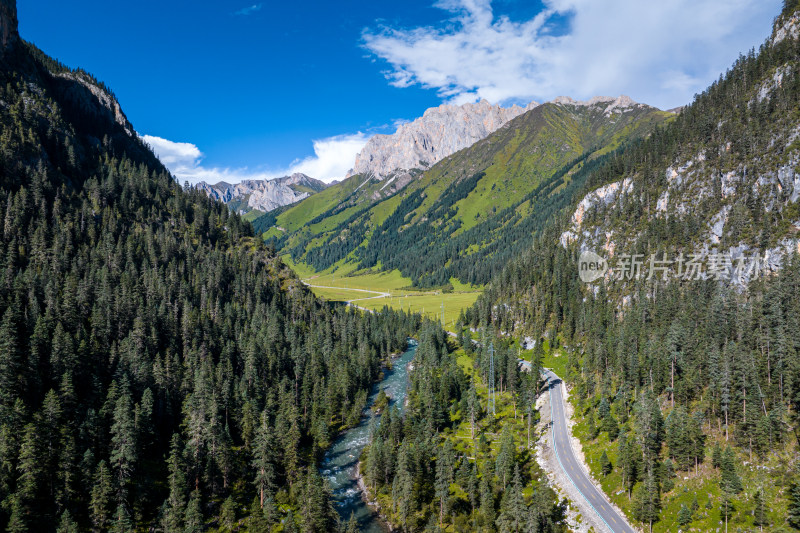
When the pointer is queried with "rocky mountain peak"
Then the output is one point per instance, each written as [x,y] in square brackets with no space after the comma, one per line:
[263,195]
[440,132]
[609,104]
[8,22]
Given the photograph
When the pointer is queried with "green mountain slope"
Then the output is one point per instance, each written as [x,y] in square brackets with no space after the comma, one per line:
[688,387]
[469,213]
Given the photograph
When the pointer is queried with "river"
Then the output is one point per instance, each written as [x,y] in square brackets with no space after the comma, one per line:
[340,463]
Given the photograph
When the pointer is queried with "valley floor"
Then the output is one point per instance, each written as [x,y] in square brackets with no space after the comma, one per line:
[374,290]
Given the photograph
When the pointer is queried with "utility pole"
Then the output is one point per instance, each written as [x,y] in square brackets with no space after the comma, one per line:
[490,408]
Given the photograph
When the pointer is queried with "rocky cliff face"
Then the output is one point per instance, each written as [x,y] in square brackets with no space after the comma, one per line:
[80,112]
[91,99]
[263,195]
[730,190]
[8,22]
[441,131]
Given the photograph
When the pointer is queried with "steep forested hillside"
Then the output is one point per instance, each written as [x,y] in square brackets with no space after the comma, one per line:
[160,369]
[467,215]
[685,383]
[449,461]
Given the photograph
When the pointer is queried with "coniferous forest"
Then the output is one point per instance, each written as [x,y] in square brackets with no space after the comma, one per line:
[683,371]
[159,367]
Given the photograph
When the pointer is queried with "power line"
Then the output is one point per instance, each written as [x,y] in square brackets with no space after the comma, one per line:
[491,407]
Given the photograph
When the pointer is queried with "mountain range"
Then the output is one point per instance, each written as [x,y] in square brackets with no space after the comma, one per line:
[162,369]
[395,158]
[262,196]
[474,209]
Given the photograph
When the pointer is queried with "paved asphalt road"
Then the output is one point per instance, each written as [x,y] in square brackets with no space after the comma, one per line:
[571,466]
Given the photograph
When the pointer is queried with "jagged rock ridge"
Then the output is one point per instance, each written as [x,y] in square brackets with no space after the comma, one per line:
[609,104]
[263,195]
[440,132]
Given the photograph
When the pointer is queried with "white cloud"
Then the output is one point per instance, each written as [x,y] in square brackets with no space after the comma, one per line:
[172,154]
[333,157]
[658,52]
[249,10]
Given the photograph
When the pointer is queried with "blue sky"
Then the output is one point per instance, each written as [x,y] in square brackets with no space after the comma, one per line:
[231,89]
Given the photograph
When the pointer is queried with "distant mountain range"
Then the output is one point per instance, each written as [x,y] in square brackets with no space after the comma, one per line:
[395,159]
[263,195]
[473,209]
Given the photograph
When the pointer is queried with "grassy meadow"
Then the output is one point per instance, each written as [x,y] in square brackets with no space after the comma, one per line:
[344,284]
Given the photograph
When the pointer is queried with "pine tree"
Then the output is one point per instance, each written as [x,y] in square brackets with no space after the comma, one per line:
[605,464]
[603,409]
[610,426]
[667,476]
[684,515]
[10,355]
[591,426]
[487,500]
[402,488]
[123,444]
[67,524]
[716,456]
[175,505]
[102,493]
[227,514]
[793,511]
[316,513]
[352,524]
[506,457]
[647,503]
[726,507]
[122,520]
[759,510]
[193,518]
[649,430]
[30,471]
[262,459]
[474,406]
[628,463]
[17,521]
[512,507]
[679,440]
[256,521]
[444,477]
[762,441]
[729,480]
[676,338]
[472,486]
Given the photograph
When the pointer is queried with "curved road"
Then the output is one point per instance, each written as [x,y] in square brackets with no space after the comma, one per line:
[571,466]
[350,302]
